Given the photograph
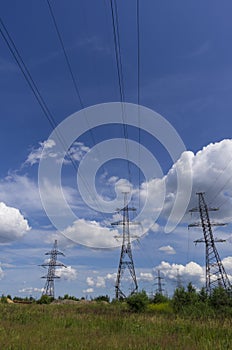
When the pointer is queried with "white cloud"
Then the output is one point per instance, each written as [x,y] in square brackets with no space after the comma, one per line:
[111,276]
[91,233]
[21,192]
[88,290]
[191,272]
[45,150]
[211,173]
[1,273]
[77,151]
[67,273]
[227,263]
[30,290]
[100,283]
[146,276]
[112,180]
[167,249]
[90,281]
[12,224]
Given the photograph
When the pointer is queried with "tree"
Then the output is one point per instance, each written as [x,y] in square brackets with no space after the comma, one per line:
[159,298]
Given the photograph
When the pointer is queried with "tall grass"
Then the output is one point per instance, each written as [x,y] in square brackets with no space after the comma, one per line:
[100,326]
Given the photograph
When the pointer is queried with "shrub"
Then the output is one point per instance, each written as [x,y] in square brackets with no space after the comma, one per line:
[164,308]
[159,298]
[103,298]
[45,299]
[138,302]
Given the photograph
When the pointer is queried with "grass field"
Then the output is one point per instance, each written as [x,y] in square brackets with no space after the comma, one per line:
[101,326]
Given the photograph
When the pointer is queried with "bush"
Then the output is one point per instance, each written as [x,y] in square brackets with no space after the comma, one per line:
[159,298]
[103,298]
[164,308]
[45,299]
[138,302]
[3,299]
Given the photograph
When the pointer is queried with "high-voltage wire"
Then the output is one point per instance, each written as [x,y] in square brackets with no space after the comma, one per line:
[75,84]
[26,73]
[138,84]
[65,54]
[118,57]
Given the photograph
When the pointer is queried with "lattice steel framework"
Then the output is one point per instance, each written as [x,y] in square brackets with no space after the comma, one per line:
[126,258]
[159,284]
[215,271]
[51,264]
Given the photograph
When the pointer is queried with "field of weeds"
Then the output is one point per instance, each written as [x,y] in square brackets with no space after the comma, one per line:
[102,326]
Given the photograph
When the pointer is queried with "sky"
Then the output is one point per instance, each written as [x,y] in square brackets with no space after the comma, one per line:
[185,75]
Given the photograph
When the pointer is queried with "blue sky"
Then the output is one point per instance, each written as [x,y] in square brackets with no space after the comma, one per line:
[185,76]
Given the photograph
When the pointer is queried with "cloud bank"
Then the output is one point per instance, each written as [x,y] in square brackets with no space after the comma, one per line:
[12,224]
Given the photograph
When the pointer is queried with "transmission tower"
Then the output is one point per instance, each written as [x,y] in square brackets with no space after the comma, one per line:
[215,272]
[126,259]
[51,264]
[159,284]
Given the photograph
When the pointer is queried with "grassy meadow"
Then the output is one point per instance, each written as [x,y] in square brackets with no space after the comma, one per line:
[108,326]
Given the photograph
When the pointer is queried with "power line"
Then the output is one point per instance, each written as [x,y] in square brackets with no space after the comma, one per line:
[117,49]
[77,90]
[138,83]
[26,73]
[65,55]
[18,58]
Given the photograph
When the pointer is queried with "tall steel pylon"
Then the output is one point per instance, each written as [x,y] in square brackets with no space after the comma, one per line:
[51,264]
[159,284]
[126,258]
[215,273]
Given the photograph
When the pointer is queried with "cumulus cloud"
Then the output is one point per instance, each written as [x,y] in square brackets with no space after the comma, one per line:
[90,281]
[227,263]
[111,276]
[100,283]
[91,233]
[210,172]
[88,290]
[12,224]
[167,249]
[146,276]
[191,272]
[67,273]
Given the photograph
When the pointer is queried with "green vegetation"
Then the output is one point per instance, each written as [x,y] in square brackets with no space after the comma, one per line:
[190,320]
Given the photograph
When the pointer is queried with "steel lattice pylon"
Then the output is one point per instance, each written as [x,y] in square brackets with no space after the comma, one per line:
[126,258]
[159,284]
[51,264]
[215,273]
